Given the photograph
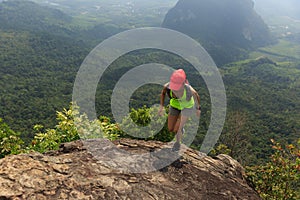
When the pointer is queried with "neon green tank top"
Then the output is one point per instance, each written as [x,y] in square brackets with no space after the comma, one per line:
[181,103]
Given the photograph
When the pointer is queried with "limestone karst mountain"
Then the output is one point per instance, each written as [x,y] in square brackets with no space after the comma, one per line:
[73,173]
[225,28]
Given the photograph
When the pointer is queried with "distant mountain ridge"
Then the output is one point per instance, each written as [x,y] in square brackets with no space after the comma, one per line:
[29,16]
[221,26]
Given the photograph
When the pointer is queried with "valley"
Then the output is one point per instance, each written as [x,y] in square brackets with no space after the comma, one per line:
[42,50]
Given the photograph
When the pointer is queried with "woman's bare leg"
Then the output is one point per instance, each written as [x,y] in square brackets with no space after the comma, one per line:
[179,125]
[172,120]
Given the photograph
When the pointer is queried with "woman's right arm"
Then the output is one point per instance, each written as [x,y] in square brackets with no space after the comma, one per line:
[162,96]
[162,99]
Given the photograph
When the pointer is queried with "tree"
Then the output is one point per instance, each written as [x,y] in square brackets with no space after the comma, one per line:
[235,140]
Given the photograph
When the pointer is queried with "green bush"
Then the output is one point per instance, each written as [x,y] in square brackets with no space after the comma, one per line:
[147,117]
[64,131]
[73,126]
[110,130]
[220,149]
[10,142]
[279,178]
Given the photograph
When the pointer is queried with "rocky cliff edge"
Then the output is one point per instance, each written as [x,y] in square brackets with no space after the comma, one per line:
[74,172]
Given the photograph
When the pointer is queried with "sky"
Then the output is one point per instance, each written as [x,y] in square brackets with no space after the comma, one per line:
[268,8]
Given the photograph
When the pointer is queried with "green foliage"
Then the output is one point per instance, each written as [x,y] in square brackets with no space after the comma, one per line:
[66,127]
[10,142]
[37,73]
[279,178]
[26,15]
[236,139]
[43,142]
[111,131]
[73,126]
[220,149]
[276,179]
[141,13]
[41,50]
[40,54]
[284,49]
[147,117]
[269,94]
[65,131]
[99,128]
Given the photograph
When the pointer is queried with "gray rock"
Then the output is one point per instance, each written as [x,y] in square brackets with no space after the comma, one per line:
[73,172]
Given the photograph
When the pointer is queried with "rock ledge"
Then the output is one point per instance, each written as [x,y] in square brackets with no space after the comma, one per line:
[72,172]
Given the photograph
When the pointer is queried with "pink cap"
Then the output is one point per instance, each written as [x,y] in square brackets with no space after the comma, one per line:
[177,79]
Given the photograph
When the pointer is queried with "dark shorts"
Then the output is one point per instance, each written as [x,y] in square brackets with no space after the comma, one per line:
[185,112]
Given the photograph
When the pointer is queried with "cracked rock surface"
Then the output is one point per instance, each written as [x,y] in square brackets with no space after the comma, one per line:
[98,169]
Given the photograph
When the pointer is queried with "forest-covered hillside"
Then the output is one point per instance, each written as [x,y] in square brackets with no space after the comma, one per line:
[42,49]
[29,16]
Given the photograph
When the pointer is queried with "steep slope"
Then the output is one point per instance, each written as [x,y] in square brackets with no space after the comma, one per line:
[224,28]
[269,92]
[73,173]
[37,73]
[28,16]
[39,58]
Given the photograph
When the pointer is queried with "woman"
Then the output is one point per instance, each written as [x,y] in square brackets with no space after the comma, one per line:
[182,104]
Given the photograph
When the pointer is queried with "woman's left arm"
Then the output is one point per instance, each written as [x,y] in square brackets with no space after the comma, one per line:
[197,98]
